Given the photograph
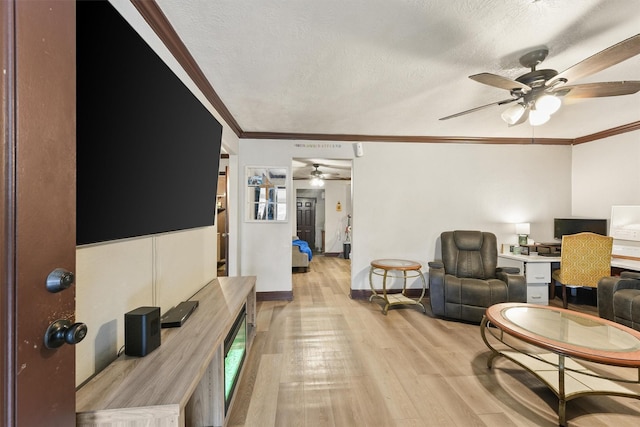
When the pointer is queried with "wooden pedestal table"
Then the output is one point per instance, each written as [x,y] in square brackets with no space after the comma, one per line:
[409,269]
[558,346]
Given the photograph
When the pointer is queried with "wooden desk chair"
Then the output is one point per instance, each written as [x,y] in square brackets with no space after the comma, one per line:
[584,260]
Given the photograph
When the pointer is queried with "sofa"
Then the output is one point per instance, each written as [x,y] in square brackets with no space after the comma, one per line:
[300,254]
[619,299]
[467,280]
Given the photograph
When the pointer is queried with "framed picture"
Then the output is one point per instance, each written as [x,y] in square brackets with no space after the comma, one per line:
[267,193]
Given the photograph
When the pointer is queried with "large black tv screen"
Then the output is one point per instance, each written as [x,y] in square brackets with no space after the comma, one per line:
[565,226]
[147,149]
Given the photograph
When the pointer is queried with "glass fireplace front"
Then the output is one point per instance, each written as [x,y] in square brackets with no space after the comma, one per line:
[235,349]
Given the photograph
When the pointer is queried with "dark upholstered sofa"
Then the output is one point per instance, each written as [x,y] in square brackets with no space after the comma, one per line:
[619,299]
[467,281]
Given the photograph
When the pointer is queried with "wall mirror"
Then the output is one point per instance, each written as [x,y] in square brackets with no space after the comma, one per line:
[267,193]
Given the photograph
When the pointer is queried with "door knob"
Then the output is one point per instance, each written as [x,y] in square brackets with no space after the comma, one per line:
[62,331]
[59,280]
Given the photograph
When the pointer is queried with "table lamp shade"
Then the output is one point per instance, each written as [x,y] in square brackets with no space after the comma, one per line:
[523,228]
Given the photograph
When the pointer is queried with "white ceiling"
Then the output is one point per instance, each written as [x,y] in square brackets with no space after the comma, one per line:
[394,67]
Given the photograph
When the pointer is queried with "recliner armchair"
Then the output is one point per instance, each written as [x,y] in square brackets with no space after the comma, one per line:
[467,280]
[619,299]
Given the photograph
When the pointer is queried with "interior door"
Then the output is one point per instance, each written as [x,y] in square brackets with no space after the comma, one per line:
[38,208]
[306,220]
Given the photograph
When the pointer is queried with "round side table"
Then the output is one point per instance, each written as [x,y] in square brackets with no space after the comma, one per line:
[409,269]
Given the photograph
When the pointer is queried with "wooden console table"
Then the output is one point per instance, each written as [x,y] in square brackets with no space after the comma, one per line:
[181,383]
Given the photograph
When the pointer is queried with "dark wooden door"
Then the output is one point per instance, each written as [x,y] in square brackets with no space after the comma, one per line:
[38,208]
[306,220]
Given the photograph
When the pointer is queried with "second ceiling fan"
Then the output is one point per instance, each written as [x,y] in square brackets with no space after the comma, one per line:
[537,94]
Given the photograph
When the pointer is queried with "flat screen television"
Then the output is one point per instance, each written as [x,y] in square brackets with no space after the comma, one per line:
[565,226]
[147,149]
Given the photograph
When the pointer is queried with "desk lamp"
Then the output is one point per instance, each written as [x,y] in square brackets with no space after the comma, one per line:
[523,230]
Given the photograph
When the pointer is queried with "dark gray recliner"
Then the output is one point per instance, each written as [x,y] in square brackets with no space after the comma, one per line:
[619,299]
[467,281]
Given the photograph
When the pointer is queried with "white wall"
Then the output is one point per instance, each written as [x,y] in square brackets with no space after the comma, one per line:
[405,195]
[117,277]
[606,173]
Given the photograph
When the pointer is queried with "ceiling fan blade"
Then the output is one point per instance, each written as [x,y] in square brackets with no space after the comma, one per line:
[506,101]
[601,60]
[595,90]
[499,82]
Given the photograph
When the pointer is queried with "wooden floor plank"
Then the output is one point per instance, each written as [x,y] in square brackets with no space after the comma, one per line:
[325,359]
[263,405]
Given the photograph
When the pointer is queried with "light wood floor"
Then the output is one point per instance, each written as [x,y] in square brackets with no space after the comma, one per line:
[324,359]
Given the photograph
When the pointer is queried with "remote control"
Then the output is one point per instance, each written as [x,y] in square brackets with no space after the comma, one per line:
[178,315]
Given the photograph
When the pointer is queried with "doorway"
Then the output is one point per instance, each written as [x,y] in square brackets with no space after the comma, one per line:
[325,227]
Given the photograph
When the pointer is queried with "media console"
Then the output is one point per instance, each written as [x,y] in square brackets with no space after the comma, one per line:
[182,382]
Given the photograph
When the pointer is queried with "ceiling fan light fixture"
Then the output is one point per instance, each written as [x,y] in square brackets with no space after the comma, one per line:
[512,114]
[317,182]
[537,117]
[316,177]
[548,104]
[541,89]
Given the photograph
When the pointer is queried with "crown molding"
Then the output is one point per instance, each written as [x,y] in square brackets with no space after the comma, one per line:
[404,138]
[629,127]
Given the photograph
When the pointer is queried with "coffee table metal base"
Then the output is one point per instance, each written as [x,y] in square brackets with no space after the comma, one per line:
[567,378]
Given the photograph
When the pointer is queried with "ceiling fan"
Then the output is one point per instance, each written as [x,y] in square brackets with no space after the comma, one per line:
[537,93]
[317,177]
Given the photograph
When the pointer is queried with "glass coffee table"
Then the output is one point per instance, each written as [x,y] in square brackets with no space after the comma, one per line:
[409,269]
[554,344]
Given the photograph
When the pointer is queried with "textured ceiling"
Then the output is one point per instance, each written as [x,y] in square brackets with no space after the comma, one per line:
[393,67]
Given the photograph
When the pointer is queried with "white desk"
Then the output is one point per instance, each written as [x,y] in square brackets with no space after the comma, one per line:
[626,264]
[537,271]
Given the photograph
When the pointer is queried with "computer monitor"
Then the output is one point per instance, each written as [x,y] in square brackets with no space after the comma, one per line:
[565,226]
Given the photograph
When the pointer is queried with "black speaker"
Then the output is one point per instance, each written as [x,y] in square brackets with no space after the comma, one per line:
[141,331]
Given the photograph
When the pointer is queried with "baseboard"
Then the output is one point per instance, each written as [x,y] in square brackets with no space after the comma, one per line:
[359,294]
[275,296]
[332,254]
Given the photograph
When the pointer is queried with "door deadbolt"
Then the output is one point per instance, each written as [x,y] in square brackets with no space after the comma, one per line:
[62,331]
[59,280]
